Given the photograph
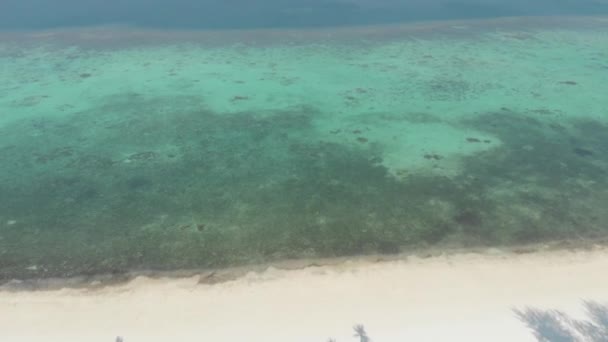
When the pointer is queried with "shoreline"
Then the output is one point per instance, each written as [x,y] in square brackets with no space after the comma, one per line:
[466,295]
[221,275]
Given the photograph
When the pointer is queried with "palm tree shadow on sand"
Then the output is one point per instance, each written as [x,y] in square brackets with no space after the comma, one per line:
[546,325]
[360,333]
[557,326]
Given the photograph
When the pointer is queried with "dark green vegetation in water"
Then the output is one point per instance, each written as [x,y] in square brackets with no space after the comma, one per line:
[206,189]
[125,150]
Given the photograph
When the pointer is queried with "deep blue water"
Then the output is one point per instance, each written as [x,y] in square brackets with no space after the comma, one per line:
[36,14]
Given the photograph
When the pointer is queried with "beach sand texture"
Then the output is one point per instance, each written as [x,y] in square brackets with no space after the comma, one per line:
[460,297]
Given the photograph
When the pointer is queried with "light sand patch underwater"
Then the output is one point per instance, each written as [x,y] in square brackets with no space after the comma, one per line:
[174,151]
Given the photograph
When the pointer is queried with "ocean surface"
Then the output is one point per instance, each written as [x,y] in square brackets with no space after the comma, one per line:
[231,14]
[196,135]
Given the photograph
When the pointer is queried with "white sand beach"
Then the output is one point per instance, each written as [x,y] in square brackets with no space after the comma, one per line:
[460,297]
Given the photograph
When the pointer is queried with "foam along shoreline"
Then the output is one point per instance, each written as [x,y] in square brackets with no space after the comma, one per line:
[467,296]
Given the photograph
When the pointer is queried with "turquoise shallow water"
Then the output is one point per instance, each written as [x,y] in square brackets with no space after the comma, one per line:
[125,150]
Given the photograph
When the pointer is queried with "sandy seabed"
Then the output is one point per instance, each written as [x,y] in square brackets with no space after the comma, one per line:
[464,297]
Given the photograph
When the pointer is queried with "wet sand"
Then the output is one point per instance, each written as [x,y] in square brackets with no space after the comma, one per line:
[466,296]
